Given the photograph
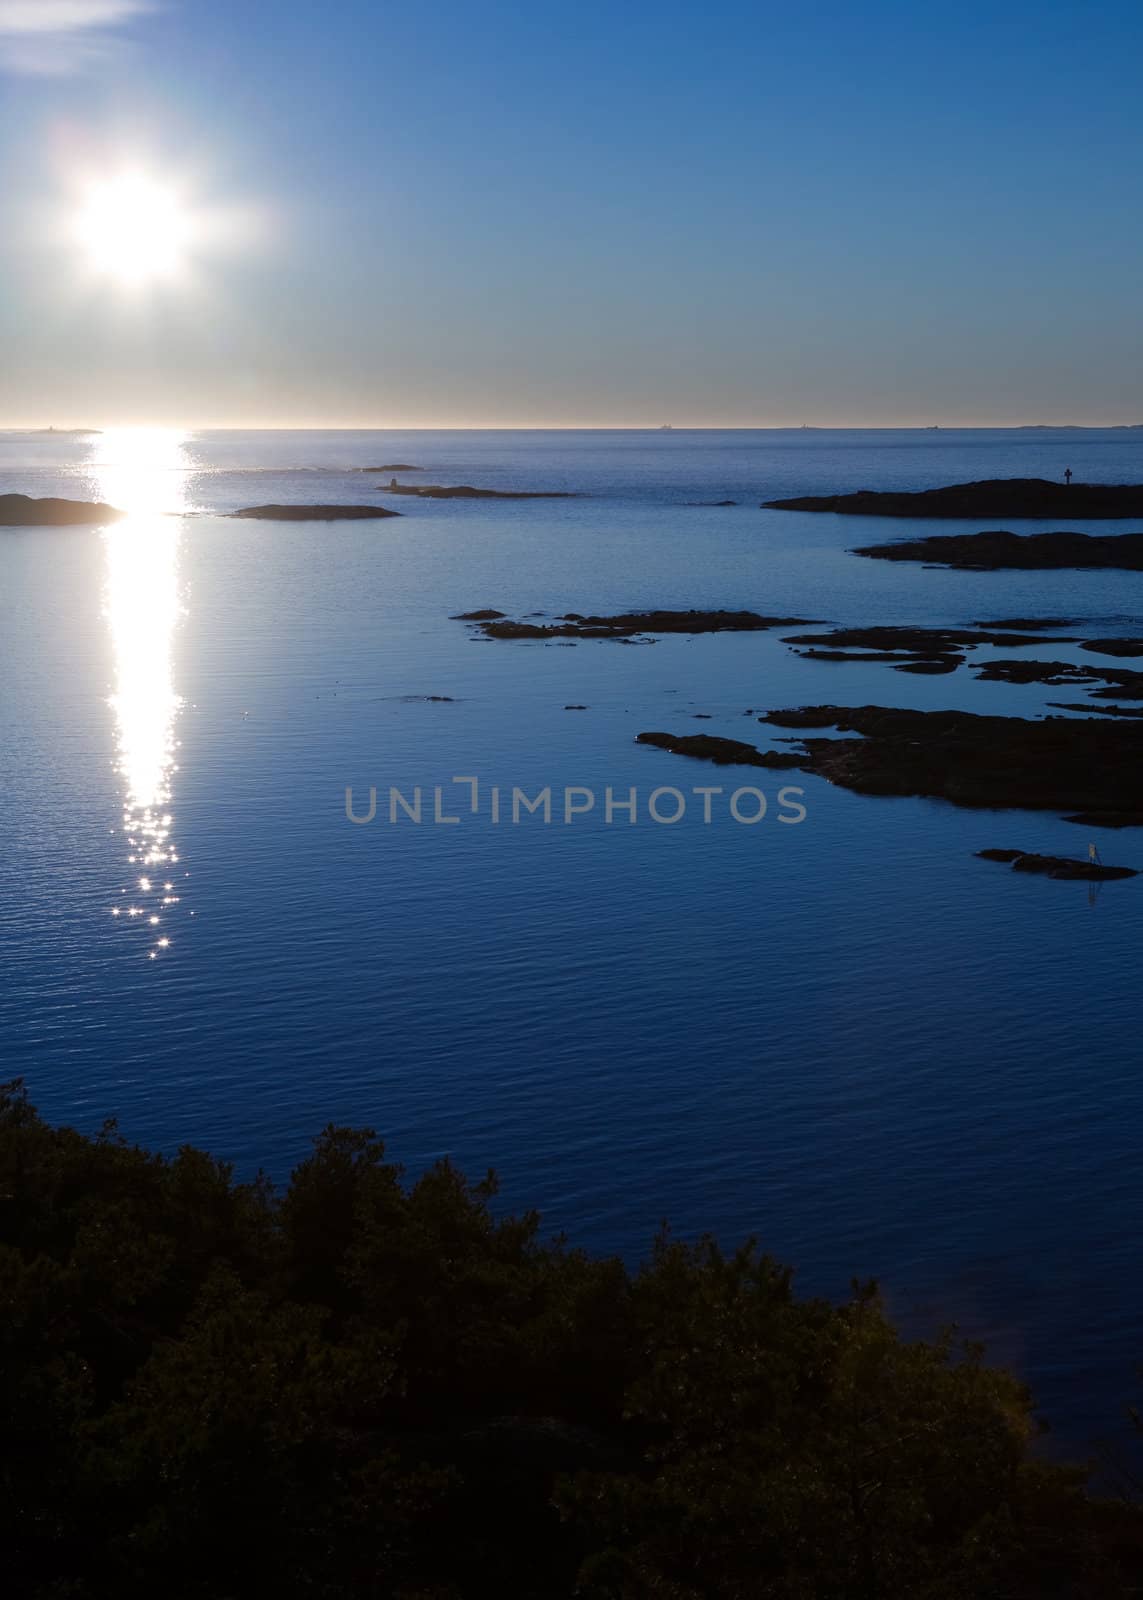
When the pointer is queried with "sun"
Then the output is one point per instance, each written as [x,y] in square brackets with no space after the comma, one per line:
[134,230]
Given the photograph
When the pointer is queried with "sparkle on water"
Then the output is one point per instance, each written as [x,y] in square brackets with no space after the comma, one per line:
[143,472]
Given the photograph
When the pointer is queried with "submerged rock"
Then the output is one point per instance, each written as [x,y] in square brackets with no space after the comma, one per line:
[1057,866]
[989,497]
[316,513]
[22,511]
[991,552]
[486,615]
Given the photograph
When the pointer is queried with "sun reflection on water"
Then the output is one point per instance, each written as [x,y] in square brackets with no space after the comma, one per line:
[144,472]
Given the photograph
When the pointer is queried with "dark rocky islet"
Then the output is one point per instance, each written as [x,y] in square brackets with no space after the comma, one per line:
[1070,764]
[315,513]
[723,752]
[1000,550]
[464,491]
[988,497]
[942,650]
[23,511]
[1109,819]
[627,625]
[1057,866]
[1047,672]
[1103,711]
[1029,624]
[921,650]
[1102,683]
[1114,647]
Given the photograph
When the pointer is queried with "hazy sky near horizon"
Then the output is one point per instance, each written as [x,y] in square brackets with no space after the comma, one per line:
[507,214]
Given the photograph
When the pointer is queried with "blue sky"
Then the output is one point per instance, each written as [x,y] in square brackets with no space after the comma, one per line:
[591,214]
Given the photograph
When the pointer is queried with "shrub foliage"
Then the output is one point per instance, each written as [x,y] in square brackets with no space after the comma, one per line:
[374,1387]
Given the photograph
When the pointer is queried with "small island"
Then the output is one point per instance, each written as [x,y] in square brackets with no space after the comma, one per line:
[315,513]
[991,497]
[990,552]
[22,511]
[1089,871]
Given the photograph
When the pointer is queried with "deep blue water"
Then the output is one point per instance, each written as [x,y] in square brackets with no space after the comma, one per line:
[848,1036]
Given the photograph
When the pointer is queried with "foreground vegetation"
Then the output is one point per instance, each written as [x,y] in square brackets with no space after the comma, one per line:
[365,1386]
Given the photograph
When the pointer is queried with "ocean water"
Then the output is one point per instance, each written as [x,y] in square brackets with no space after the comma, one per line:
[847,1036]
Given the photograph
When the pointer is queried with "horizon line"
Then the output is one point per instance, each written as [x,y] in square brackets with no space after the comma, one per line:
[576,427]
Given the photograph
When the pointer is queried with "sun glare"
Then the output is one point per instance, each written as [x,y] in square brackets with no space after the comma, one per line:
[134,230]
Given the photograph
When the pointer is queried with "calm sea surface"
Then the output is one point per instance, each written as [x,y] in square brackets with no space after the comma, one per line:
[848,1037]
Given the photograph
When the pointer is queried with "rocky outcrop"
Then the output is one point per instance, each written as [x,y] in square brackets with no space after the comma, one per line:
[1109,819]
[464,491]
[1114,682]
[1070,764]
[991,497]
[1104,711]
[992,552]
[1029,624]
[316,513]
[1057,866]
[22,511]
[1114,647]
[922,650]
[627,625]
[1092,767]
[723,752]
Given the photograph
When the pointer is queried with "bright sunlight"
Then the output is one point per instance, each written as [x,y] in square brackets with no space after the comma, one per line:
[134,230]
